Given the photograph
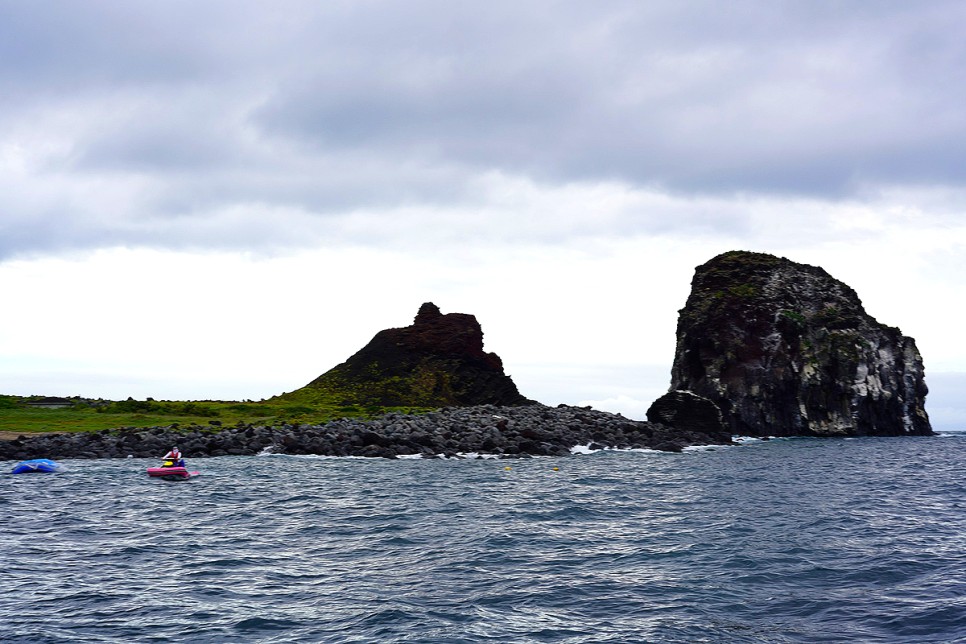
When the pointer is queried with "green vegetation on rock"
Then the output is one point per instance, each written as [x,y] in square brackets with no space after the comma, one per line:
[437,361]
[784,348]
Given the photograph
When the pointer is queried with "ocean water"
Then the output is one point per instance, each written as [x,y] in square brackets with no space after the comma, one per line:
[798,540]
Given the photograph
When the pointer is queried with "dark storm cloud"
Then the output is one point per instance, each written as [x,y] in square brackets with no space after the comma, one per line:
[184,109]
[791,97]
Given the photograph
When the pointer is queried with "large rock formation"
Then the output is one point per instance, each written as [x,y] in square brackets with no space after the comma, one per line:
[785,349]
[437,361]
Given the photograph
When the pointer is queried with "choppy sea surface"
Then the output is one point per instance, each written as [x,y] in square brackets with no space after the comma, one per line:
[797,540]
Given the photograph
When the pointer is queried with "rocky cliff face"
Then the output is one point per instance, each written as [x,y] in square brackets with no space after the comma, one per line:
[437,361]
[785,349]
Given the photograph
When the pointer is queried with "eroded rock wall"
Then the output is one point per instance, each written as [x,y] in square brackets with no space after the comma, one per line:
[786,349]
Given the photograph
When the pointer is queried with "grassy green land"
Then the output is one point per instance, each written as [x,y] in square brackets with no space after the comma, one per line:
[93,415]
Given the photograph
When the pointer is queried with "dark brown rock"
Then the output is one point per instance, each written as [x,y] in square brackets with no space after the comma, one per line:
[437,361]
[785,349]
[688,411]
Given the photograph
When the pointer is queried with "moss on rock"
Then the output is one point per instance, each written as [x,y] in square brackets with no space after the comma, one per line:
[784,348]
[437,361]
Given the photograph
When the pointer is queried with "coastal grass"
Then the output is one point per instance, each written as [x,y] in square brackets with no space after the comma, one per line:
[84,415]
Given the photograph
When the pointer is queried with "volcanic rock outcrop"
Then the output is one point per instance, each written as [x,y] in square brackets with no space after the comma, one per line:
[686,410]
[517,431]
[435,362]
[785,349]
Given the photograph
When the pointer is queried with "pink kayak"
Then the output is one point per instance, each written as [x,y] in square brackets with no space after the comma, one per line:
[171,473]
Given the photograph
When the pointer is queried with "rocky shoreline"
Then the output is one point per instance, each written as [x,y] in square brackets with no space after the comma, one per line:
[502,431]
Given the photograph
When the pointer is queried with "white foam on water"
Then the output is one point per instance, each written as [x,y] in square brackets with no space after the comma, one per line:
[308,456]
[583,450]
[703,448]
[741,440]
[477,455]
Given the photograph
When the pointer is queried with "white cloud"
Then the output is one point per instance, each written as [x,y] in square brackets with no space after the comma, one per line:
[184,112]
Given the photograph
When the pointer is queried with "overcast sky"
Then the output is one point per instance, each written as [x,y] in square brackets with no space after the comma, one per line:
[213,199]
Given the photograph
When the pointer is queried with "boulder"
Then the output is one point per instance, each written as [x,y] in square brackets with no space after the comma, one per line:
[688,411]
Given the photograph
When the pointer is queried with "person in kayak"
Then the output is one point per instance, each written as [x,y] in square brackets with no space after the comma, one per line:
[175,457]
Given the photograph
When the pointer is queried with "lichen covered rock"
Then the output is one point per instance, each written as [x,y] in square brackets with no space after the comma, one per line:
[785,349]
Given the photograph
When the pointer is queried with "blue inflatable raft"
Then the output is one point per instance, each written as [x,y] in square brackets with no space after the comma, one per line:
[37,465]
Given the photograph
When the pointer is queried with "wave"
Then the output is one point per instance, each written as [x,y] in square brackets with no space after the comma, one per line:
[799,541]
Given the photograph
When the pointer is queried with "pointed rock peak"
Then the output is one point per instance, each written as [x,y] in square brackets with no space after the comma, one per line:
[435,362]
[427,313]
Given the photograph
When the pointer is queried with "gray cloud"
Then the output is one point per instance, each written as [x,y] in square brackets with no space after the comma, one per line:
[125,121]
[755,98]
